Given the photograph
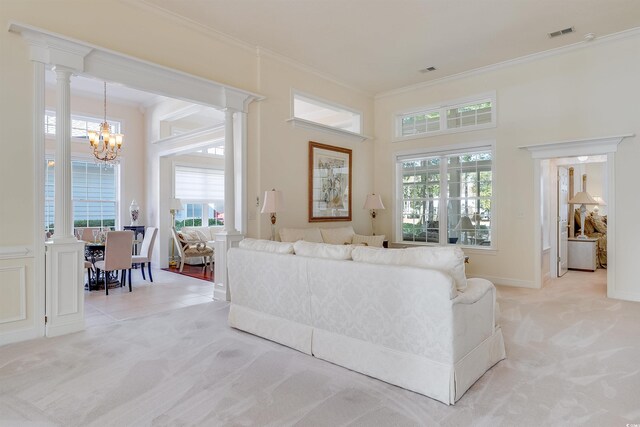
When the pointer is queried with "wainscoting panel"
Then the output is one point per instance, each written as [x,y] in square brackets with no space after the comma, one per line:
[20,318]
[13,288]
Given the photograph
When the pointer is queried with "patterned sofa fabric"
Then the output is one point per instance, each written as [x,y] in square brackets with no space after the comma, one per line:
[405,325]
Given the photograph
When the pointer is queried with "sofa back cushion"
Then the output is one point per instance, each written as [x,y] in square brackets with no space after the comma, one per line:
[449,260]
[338,236]
[373,241]
[295,234]
[322,250]
[266,246]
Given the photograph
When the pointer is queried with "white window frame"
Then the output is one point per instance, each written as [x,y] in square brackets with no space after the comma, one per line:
[400,156]
[442,109]
[116,125]
[298,121]
[50,156]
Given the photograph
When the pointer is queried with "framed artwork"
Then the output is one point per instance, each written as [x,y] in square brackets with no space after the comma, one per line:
[329,183]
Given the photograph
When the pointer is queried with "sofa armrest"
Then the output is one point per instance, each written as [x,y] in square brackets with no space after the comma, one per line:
[476,289]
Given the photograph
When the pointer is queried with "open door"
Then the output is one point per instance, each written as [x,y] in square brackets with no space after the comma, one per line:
[563,216]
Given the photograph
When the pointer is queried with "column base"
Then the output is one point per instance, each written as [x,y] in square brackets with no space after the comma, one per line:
[224,241]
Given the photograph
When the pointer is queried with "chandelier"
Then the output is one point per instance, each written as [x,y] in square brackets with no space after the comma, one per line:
[105,145]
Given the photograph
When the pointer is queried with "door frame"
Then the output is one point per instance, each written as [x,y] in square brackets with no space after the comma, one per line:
[573,148]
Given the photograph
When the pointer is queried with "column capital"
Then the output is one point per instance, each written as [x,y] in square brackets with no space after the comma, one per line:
[62,72]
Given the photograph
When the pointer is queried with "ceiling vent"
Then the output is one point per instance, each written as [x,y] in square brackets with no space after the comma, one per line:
[428,69]
[561,32]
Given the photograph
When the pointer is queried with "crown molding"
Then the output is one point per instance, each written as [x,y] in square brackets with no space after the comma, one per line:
[576,147]
[147,7]
[263,51]
[633,32]
[259,51]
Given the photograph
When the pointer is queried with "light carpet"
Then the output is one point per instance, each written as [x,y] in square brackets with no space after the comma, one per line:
[572,359]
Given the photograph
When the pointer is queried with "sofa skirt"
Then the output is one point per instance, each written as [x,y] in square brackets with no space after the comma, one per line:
[292,334]
[439,380]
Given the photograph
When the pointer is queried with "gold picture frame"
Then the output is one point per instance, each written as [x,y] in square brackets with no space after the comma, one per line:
[329,194]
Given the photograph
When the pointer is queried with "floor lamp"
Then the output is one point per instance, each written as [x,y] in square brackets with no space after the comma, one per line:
[273,203]
[174,206]
[583,198]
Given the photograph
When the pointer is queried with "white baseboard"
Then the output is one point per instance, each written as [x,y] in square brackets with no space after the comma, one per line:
[66,328]
[17,336]
[503,281]
[626,296]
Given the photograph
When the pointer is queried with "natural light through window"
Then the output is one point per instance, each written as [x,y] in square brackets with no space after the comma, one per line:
[326,113]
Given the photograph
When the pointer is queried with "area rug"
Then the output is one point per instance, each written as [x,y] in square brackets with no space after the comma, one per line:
[195,271]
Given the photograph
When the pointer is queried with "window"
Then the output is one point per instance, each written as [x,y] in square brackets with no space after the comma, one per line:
[477,113]
[325,113]
[446,197]
[80,125]
[201,191]
[93,194]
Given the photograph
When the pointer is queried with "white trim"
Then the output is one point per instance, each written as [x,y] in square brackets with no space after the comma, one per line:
[576,147]
[595,146]
[512,62]
[506,281]
[442,107]
[466,147]
[15,252]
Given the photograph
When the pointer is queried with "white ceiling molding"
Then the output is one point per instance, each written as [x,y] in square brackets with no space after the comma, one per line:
[194,140]
[85,58]
[521,60]
[578,147]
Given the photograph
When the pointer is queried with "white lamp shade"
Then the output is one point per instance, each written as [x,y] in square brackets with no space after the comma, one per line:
[583,198]
[464,224]
[374,201]
[273,202]
[175,205]
[600,201]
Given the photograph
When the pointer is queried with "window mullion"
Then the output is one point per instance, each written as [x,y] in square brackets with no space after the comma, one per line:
[444,201]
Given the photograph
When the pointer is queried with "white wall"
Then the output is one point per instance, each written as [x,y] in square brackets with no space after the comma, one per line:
[583,93]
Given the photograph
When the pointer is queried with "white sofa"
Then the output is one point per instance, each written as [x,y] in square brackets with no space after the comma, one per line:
[206,234]
[404,325]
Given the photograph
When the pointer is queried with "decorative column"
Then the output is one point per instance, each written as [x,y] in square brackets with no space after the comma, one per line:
[64,270]
[63,231]
[230,237]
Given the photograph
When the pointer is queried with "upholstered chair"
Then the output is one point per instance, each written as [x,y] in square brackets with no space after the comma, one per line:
[145,252]
[89,267]
[192,249]
[87,234]
[117,256]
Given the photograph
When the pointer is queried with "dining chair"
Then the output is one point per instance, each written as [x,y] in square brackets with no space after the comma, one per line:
[117,256]
[87,234]
[145,252]
[89,266]
[192,249]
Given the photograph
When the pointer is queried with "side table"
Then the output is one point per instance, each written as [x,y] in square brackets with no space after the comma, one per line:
[582,254]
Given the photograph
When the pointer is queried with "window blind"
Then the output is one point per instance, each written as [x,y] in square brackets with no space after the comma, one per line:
[199,184]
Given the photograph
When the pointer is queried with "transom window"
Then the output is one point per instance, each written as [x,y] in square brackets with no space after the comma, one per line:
[80,125]
[94,194]
[326,113]
[447,197]
[476,113]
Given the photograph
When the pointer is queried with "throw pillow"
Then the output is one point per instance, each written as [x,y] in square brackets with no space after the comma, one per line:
[599,223]
[294,234]
[449,260]
[337,236]
[266,246]
[373,241]
[322,250]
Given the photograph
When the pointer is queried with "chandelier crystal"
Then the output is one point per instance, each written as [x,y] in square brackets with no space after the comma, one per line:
[105,145]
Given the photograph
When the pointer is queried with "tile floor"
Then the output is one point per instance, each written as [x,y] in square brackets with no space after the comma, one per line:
[168,292]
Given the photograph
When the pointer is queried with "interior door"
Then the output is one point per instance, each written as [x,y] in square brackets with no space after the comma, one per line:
[563,217]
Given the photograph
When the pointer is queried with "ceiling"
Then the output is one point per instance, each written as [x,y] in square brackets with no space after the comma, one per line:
[379,45]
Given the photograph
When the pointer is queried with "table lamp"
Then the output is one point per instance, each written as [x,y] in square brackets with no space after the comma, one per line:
[273,203]
[583,198]
[373,202]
